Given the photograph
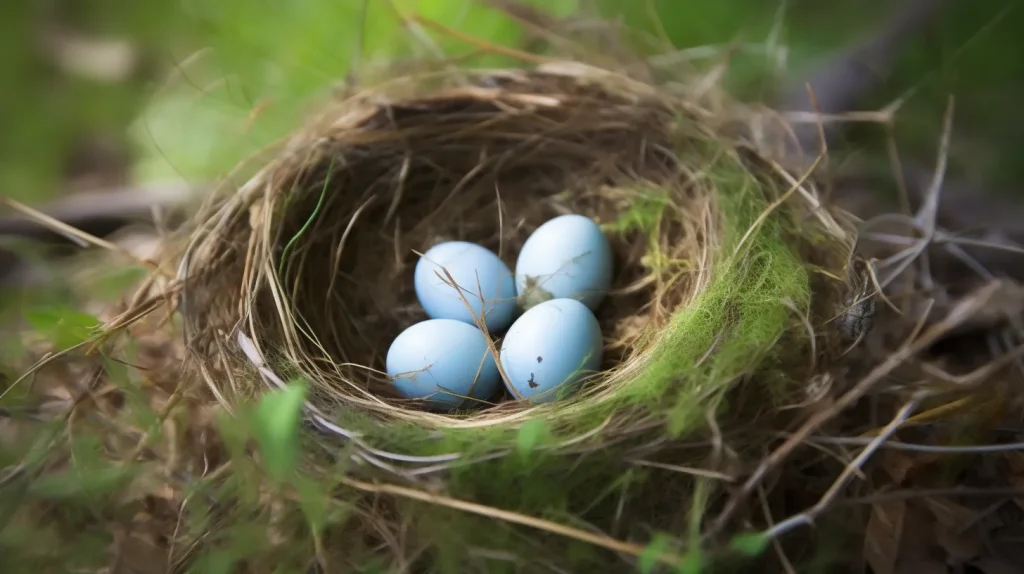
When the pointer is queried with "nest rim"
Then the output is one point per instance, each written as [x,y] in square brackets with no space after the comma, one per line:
[583,402]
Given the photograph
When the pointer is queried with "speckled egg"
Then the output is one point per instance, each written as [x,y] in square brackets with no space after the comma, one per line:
[567,257]
[485,283]
[444,361]
[550,347]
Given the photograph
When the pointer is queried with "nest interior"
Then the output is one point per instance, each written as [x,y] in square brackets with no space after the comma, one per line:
[486,166]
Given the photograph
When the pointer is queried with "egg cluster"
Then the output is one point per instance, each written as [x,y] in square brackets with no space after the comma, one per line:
[546,309]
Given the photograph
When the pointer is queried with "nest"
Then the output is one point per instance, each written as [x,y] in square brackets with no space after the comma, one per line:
[313,257]
[730,274]
[734,338]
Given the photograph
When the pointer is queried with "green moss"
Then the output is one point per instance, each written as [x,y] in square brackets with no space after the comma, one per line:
[644,214]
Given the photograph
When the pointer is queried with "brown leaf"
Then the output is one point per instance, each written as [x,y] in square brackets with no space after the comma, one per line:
[949,513]
[883,536]
[897,465]
[958,530]
[14,432]
[962,546]
[1016,475]
[149,482]
[134,553]
[1016,462]
[915,549]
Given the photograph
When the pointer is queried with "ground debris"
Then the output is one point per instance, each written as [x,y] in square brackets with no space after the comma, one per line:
[884,536]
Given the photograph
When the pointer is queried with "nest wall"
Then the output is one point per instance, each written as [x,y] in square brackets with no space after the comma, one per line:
[730,273]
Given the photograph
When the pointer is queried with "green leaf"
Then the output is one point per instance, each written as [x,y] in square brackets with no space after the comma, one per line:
[750,543]
[532,433]
[11,501]
[692,562]
[115,281]
[217,562]
[649,559]
[315,502]
[74,483]
[234,433]
[64,326]
[276,425]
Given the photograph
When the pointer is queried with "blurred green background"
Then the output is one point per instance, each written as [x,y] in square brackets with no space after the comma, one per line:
[199,85]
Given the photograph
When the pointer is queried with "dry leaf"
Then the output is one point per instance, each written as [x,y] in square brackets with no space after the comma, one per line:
[961,546]
[884,532]
[150,481]
[1016,475]
[949,513]
[897,465]
[134,553]
[1016,461]
[916,542]
[14,432]
[958,530]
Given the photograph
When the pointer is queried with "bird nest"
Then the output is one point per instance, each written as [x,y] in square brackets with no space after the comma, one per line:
[719,253]
[731,340]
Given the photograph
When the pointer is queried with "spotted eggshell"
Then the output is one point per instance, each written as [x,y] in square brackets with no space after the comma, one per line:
[550,347]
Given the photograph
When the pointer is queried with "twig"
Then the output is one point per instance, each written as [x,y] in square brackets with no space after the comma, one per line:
[810,515]
[928,448]
[596,539]
[924,220]
[77,236]
[481,44]
[702,472]
[101,212]
[915,493]
[840,82]
[787,565]
[249,349]
[957,315]
[775,204]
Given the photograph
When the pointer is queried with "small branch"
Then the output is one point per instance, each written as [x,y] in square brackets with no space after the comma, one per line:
[916,493]
[928,448]
[962,312]
[78,236]
[810,515]
[842,81]
[599,540]
[100,213]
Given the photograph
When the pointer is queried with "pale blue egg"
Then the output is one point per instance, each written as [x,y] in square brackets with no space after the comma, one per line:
[552,345]
[566,257]
[483,279]
[444,361]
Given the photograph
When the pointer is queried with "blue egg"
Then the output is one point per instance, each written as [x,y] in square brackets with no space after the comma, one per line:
[483,279]
[444,361]
[566,258]
[554,344]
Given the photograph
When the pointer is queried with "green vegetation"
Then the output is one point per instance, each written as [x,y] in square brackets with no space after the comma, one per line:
[212,65]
